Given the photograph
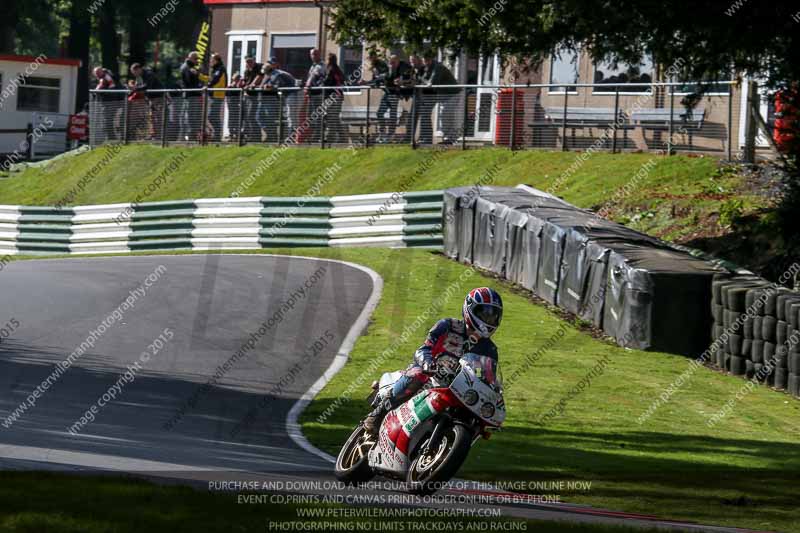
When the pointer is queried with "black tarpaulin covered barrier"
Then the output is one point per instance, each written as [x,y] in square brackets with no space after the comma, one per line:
[642,292]
[458,217]
[658,299]
[584,258]
[451,223]
[551,250]
[592,303]
[490,235]
[516,233]
[507,217]
[457,222]
[556,223]
[582,279]
[531,246]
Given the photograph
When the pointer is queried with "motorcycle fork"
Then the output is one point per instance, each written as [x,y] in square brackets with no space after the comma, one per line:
[436,437]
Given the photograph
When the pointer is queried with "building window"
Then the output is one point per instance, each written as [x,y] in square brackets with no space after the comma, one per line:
[608,73]
[292,51]
[351,60]
[564,69]
[39,94]
[710,88]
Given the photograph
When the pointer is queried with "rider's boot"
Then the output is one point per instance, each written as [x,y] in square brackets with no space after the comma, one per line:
[374,419]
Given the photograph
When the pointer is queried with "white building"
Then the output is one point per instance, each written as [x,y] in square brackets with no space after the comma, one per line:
[39,91]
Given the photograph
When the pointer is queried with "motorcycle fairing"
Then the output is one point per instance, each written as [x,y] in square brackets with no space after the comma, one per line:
[397,433]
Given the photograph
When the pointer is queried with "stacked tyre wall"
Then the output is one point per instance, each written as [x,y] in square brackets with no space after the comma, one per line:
[638,289]
[378,220]
[756,330]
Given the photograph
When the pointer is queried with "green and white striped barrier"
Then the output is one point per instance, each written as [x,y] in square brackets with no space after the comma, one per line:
[410,219]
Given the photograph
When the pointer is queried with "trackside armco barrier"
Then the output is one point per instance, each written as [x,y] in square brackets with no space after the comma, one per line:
[412,219]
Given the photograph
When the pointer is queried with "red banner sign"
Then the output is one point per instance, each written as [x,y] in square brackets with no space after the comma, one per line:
[78,127]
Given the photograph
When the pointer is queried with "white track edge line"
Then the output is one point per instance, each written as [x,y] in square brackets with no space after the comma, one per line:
[292,425]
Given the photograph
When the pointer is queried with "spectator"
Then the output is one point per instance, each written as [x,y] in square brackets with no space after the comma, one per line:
[379,70]
[399,84]
[450,105]
[315,79]
[145,83]
[251,81]
[191,103]
[137,112]
[274,80]
[234,100]
[424,102]
[334,77]
[108,115]
[217,79]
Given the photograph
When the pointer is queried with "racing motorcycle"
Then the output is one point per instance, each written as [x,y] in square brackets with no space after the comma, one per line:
[425,440]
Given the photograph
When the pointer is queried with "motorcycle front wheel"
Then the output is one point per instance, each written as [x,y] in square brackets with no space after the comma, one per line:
[430,469]
[352,465]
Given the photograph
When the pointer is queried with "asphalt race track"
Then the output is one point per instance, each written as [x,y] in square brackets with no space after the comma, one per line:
[232,342]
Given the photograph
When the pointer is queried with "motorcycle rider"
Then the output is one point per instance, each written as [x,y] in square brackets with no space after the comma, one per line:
[481,315]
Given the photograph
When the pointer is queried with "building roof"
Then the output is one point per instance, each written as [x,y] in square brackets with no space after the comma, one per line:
[43,60]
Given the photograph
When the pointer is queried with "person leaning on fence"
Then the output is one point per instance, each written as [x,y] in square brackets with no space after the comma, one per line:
[378,70]
[146,80]
[217,79]
[251,80]
[275,79]
[398,72]
[234,101]
[401,81]
[191,105]
[334,77]
[314,80]
[137,112]
[424,102]
[450,108]
[108,107]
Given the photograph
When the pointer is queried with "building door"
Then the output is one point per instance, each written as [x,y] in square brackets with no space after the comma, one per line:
[242,44]
[481,102]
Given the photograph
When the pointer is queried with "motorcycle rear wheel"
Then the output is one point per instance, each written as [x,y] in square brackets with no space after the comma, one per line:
[429,471]
[352,465]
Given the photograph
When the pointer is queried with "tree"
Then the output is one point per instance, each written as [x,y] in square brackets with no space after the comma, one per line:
[706,37]
[106,25]
[21,26]
[78,46]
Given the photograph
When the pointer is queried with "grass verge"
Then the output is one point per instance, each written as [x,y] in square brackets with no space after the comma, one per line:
[743,472]
[681,198]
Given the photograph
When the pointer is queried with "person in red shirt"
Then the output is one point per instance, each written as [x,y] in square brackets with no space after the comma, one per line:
[107,114]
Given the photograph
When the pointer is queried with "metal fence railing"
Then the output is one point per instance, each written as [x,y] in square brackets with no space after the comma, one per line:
[626,117]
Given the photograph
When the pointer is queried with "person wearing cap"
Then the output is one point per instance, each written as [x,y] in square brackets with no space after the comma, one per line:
[274,79]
